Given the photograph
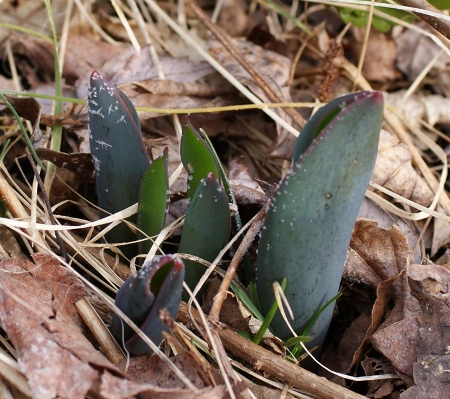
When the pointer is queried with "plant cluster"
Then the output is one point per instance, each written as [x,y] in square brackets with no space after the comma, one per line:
[306,231]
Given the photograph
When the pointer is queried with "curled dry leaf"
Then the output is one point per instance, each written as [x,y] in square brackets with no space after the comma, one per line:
[414,52]
[441,233]
[378,65]
[377,258]
[394,171]
[375,254]
[414,334]
[245,189]
[138,77]
[385,220]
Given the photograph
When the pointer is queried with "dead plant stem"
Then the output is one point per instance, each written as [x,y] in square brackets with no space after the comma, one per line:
[267,362]
[242,249]
[441,25]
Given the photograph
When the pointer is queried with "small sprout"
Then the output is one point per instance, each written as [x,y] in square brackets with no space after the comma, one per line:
[156,286]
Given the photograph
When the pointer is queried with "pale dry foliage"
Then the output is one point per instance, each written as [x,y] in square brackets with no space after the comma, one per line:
[168,69]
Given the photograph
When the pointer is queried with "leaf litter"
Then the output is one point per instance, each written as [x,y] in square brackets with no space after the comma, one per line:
[398,324]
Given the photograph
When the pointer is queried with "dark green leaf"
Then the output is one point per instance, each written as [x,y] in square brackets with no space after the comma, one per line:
[156,286]
[206,227]
[197,157]
[120,157]
[310,219]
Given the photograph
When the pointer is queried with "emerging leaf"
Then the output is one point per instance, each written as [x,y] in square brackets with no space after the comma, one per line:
[206,227]
[120,157]
[200,158]
[197,157]
[156,286]
[310,219]
[154,199]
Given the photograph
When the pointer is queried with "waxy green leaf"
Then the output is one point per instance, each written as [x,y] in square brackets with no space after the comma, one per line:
[154,199]
[193,140]
[197,157]
[156,286]
[311,217]
[206,227]
[120,157]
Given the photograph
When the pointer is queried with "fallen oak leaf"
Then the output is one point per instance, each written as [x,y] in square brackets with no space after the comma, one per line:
[63,284]
[394,171]
[53,354]
[116,388]
[375,254]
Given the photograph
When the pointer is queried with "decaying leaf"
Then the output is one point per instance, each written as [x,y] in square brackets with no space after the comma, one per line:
[394,171]
[375,254]
[429,284]
[245,189]
[414,52]
[117,388]
[64,285]
[377,258]
[385,220]
[54,355]
[273,67]
[379,65]
[432,108]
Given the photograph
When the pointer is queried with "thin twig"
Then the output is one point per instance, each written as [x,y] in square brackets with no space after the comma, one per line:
[441,25]
[242,249]
[270,363]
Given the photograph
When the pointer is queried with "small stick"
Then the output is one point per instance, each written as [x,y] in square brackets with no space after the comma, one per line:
[265,361]
[439,24]
[219,298]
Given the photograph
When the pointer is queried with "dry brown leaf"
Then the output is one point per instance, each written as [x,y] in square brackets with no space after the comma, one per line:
[378,65]
[52,352]
[378,257]
[273,67]
[385,220]
[398,343]
[415,51]
[150,369]
[60,281]
[340,358]
[378,388]
[394,171]
[130,66]
[441,233]
[433,109]
[375,254]
[117,388]
[244,187]
[430,285]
